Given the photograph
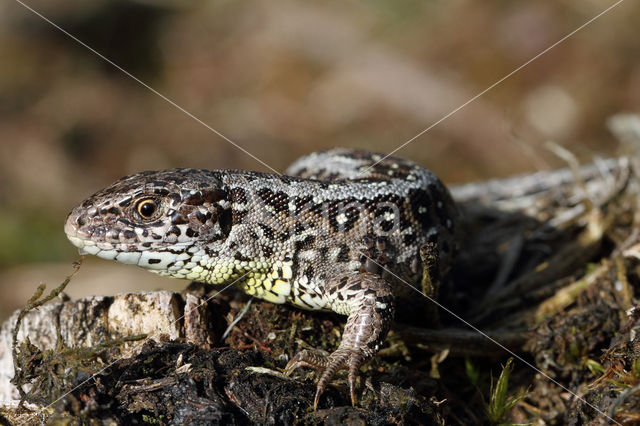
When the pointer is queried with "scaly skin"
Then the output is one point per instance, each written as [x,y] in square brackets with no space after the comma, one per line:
[333,235]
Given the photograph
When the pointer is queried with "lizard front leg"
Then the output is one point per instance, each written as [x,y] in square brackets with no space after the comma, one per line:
[368,301]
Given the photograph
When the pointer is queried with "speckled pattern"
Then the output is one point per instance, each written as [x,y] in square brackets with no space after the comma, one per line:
[332,234]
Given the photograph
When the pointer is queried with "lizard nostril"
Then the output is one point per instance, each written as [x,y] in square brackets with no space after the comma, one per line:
[81,221]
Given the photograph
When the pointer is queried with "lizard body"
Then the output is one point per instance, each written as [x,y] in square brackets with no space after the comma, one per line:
[339,232]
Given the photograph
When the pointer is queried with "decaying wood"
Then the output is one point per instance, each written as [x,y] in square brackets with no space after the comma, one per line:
[97,320]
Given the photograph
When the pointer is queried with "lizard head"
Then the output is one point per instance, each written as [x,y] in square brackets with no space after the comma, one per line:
[152,219]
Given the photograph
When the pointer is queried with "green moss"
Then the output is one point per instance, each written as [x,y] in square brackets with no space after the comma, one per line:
[149,419]
[500,403]
[595,367]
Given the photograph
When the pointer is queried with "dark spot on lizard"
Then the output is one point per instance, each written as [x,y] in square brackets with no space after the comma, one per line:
[308,272]
[278,200]
[240,257]
[179,219]
[267,231]
[343,254]
[307,243]
[225,220]
[267,250]
[213,195]
[125,203]
[194,199]
[239,215]
[238,195]
[202,218]
[284,236]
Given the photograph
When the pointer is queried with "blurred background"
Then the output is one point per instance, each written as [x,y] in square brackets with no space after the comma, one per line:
[283,78]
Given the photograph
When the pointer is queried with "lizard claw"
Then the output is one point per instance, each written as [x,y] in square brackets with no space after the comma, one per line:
[342,358]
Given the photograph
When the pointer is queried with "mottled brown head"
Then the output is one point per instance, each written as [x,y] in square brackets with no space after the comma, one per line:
[150,218]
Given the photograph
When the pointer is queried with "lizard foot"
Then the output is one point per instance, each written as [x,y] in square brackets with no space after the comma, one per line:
[341,358]
[368,301]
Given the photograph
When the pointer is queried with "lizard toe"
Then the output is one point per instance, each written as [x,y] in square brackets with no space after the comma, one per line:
[305,358]
[342,358]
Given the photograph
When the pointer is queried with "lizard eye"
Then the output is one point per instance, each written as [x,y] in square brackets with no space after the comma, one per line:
[147,208]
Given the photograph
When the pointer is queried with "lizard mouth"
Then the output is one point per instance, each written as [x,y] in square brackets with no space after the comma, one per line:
[79,237]
[99,240]
[83,237]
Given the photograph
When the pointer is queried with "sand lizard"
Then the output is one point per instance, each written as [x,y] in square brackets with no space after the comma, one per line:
[339,232]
